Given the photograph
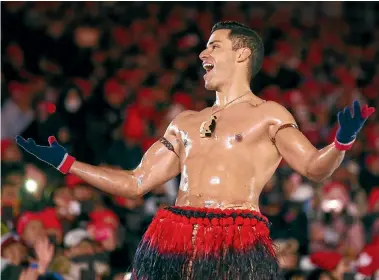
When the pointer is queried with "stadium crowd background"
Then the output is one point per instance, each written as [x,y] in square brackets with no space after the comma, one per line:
[106,78]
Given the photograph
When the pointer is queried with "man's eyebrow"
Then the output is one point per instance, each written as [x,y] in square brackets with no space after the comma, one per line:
[212,42]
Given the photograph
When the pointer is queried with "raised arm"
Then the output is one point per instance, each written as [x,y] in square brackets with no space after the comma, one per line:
[301,155]
[159,164]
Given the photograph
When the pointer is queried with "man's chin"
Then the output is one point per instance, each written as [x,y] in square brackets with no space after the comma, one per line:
[209,86]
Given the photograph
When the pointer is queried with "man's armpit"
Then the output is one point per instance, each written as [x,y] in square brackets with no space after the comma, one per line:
[168,145]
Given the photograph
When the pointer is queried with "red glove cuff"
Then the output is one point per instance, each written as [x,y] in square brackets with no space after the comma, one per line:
[66,164]
[342,146]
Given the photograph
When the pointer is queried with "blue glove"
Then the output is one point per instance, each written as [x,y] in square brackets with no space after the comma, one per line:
[54,154]
[349,126]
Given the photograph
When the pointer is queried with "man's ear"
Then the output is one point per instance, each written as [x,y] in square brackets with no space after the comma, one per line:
[243,54]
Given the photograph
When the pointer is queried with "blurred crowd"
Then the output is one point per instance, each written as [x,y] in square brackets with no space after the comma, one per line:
[106,78]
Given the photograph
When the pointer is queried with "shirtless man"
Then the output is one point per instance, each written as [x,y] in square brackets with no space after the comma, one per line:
[225,155]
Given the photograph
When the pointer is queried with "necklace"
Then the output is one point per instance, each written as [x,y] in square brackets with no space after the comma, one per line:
[209,126]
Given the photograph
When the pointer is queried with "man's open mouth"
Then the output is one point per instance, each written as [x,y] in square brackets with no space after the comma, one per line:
[208,66]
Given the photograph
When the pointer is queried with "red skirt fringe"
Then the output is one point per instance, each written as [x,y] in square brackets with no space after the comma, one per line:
[204,243]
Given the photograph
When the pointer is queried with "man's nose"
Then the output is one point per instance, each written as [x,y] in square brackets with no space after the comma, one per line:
[203,55]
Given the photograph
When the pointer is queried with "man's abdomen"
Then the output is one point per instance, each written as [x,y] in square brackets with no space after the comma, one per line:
[219,183]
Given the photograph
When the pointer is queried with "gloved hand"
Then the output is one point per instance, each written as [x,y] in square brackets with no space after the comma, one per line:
[54,154]
[349,126]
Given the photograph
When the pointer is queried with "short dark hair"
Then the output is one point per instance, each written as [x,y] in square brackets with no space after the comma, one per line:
[244,37]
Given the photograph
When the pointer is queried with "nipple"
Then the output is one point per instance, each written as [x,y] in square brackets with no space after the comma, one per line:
[238,137]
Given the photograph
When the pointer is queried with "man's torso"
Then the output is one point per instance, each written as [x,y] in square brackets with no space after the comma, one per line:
[229,169]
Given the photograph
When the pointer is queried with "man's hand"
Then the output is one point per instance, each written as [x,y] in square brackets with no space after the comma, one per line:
[349,125]
[44,252]
[13,254]
[298,151]
[29,274]
[54,154]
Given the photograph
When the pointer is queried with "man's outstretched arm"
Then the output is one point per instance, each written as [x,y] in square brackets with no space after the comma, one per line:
[159,164]
[302,156]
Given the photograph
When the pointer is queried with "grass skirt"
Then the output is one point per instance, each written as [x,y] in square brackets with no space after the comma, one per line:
[203,244]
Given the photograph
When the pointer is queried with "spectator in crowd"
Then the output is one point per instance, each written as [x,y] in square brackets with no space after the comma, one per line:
[338,227]
[333,265]
[15,254]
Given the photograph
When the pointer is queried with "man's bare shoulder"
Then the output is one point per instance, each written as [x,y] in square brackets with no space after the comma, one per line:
[277,113]
[188,116]
[180,121]
[184,116]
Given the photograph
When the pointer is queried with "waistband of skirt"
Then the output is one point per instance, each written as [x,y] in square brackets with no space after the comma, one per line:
[213,216]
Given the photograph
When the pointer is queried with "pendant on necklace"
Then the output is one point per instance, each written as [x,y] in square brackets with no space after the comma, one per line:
[208,127]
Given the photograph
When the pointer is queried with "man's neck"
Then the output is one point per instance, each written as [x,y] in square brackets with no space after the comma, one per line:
[225,96]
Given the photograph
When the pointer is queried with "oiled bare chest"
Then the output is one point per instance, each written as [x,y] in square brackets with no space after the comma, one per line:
[235,130]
